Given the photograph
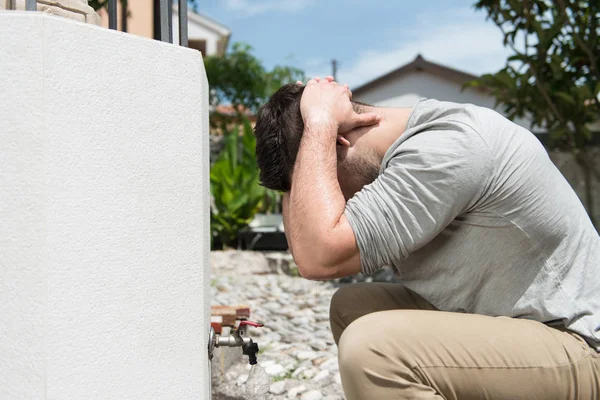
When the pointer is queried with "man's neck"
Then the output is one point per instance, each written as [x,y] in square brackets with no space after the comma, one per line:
[392,125]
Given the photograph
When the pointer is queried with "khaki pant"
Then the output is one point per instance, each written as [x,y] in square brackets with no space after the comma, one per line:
[395,345]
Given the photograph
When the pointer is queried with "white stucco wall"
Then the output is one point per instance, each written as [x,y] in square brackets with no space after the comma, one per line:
[104,214]
[407,90]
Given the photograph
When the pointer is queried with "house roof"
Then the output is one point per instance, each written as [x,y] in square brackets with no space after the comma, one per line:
[418,64]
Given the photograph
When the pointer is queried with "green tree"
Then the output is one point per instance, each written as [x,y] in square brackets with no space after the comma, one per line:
[553,76]
[240,78]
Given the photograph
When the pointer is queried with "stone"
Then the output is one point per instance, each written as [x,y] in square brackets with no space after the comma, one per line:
[312,395]
[299,371]
[275,370]
[309,373]
[79,10]
[331,364]
[337,378]
[282,263]
[307,355]
[267,363]
[241,379]
[320,317]
[321,376]
[277,388]
[242,262]
[320,360]
[323,334]
[271,337]
[272,306]
[318,344]
[295,391]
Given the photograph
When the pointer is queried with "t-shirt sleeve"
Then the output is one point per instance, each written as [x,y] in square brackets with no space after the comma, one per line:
[431,178]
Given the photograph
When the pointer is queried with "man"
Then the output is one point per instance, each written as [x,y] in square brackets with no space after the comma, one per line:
[498,261]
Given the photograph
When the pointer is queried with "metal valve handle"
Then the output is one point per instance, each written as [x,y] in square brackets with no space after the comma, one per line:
[250,323]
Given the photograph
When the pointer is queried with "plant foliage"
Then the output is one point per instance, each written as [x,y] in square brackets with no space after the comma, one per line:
[240,78]
[553,75]
[237,195]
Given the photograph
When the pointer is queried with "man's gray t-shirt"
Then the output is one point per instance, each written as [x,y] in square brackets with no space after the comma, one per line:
[473,216]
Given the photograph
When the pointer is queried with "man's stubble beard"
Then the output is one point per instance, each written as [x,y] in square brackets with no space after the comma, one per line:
[359,171]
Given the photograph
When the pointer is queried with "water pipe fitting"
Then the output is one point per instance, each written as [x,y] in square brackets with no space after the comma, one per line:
[237,338]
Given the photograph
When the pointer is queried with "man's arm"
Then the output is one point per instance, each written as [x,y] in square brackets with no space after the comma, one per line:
[323,243]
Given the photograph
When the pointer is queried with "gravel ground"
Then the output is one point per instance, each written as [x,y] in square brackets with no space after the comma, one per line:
[296,347]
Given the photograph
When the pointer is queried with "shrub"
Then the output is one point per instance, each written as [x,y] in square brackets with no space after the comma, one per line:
[237,195]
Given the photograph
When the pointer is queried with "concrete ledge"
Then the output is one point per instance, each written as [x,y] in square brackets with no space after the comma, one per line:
[77,10]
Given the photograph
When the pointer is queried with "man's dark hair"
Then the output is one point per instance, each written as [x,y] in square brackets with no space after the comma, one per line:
[278,131]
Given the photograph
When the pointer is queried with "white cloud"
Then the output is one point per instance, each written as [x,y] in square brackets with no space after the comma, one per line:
[460,39]
[248,8]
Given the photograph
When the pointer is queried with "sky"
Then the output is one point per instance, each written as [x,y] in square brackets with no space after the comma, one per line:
[367,37]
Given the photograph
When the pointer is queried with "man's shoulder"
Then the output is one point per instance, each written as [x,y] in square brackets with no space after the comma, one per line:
[428,112]
[437,127]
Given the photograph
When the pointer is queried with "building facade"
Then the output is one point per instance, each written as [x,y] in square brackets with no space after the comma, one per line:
[205,34]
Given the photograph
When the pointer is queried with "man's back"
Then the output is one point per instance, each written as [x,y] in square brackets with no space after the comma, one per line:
[482,221]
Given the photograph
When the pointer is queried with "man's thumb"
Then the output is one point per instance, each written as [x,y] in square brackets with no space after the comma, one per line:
[367,119]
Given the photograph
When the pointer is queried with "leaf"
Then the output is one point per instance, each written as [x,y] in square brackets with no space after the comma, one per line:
[557,133]
[566,97]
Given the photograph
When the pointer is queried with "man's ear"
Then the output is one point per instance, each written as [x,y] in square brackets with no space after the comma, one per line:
[342,141]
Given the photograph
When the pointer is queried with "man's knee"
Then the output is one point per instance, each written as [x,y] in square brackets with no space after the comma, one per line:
[369,359]
[356,300]
[378,335]
[354,344]
[341,300]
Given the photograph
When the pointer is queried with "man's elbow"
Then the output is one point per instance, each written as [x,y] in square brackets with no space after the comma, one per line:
[316,273]
[321,265]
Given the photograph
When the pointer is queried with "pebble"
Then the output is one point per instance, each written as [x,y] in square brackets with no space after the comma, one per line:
[275,369]
[299,371]
[331,364]
[295,391]
[309,373]
[318,344]
[241,379]
[301,322]
[307,355]
[277,387]
[321,376]
[312,395]
[337,378]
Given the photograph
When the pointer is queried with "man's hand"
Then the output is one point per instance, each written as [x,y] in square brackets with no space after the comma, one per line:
[326,102]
